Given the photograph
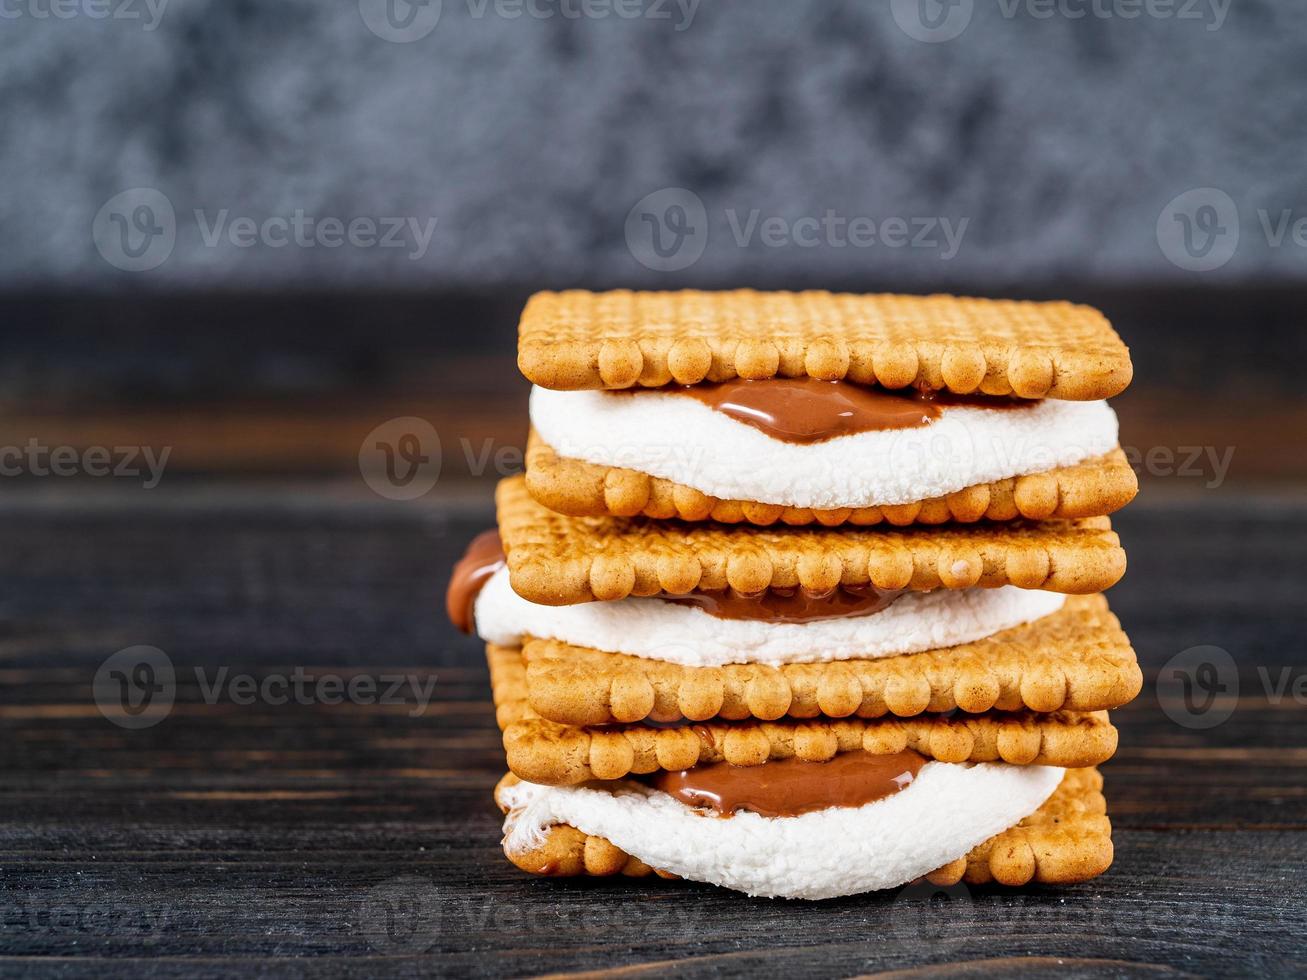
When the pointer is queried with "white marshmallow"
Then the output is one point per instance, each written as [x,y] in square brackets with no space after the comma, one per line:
[681,439]
[946,811]
[669,631]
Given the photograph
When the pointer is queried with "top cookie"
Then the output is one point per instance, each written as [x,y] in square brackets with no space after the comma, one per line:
[625,339]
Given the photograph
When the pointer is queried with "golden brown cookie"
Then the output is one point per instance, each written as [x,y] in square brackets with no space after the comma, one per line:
[1077,659]
[544,751]
[623,339]
[1066,840]
[558,560]
[1093,488]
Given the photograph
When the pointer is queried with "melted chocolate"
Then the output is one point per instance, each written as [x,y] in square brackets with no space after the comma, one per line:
[789,605]
[789,787]
[484,557]
[806,410]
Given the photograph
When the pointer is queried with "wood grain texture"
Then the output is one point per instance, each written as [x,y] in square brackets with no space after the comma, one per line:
[275,840]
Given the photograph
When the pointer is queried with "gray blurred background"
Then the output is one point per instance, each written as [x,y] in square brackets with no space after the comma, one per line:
[256,227]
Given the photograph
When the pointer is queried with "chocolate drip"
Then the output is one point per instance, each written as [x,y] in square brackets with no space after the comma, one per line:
[484,557]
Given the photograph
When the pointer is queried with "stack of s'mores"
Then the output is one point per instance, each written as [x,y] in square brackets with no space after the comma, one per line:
[799,595]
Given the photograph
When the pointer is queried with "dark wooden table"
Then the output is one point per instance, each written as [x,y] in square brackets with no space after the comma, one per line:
[268,839]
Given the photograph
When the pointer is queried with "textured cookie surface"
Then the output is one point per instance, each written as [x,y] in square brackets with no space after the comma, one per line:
[1093,488]
[1077,659]
[624,339]
[556,560]
[1066,840]
[544,751]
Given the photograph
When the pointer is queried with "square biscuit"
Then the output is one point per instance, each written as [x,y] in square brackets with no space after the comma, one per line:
[1076,659]
[543,751]
[623,339]
[558,560]
[1067,840]
[1094,488]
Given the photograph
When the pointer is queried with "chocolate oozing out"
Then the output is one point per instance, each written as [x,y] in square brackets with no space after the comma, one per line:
[806,410]
[484,557]
[790,605]
[790,787]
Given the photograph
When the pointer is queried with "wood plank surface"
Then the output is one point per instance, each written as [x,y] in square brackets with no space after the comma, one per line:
[358,839]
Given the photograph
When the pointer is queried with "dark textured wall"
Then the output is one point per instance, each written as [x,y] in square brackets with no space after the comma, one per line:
[1061,141]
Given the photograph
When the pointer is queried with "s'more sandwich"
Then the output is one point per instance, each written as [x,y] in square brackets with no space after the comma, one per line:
[842,672]
[814,407]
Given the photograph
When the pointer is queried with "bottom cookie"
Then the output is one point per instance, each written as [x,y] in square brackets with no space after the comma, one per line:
[1066,839]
